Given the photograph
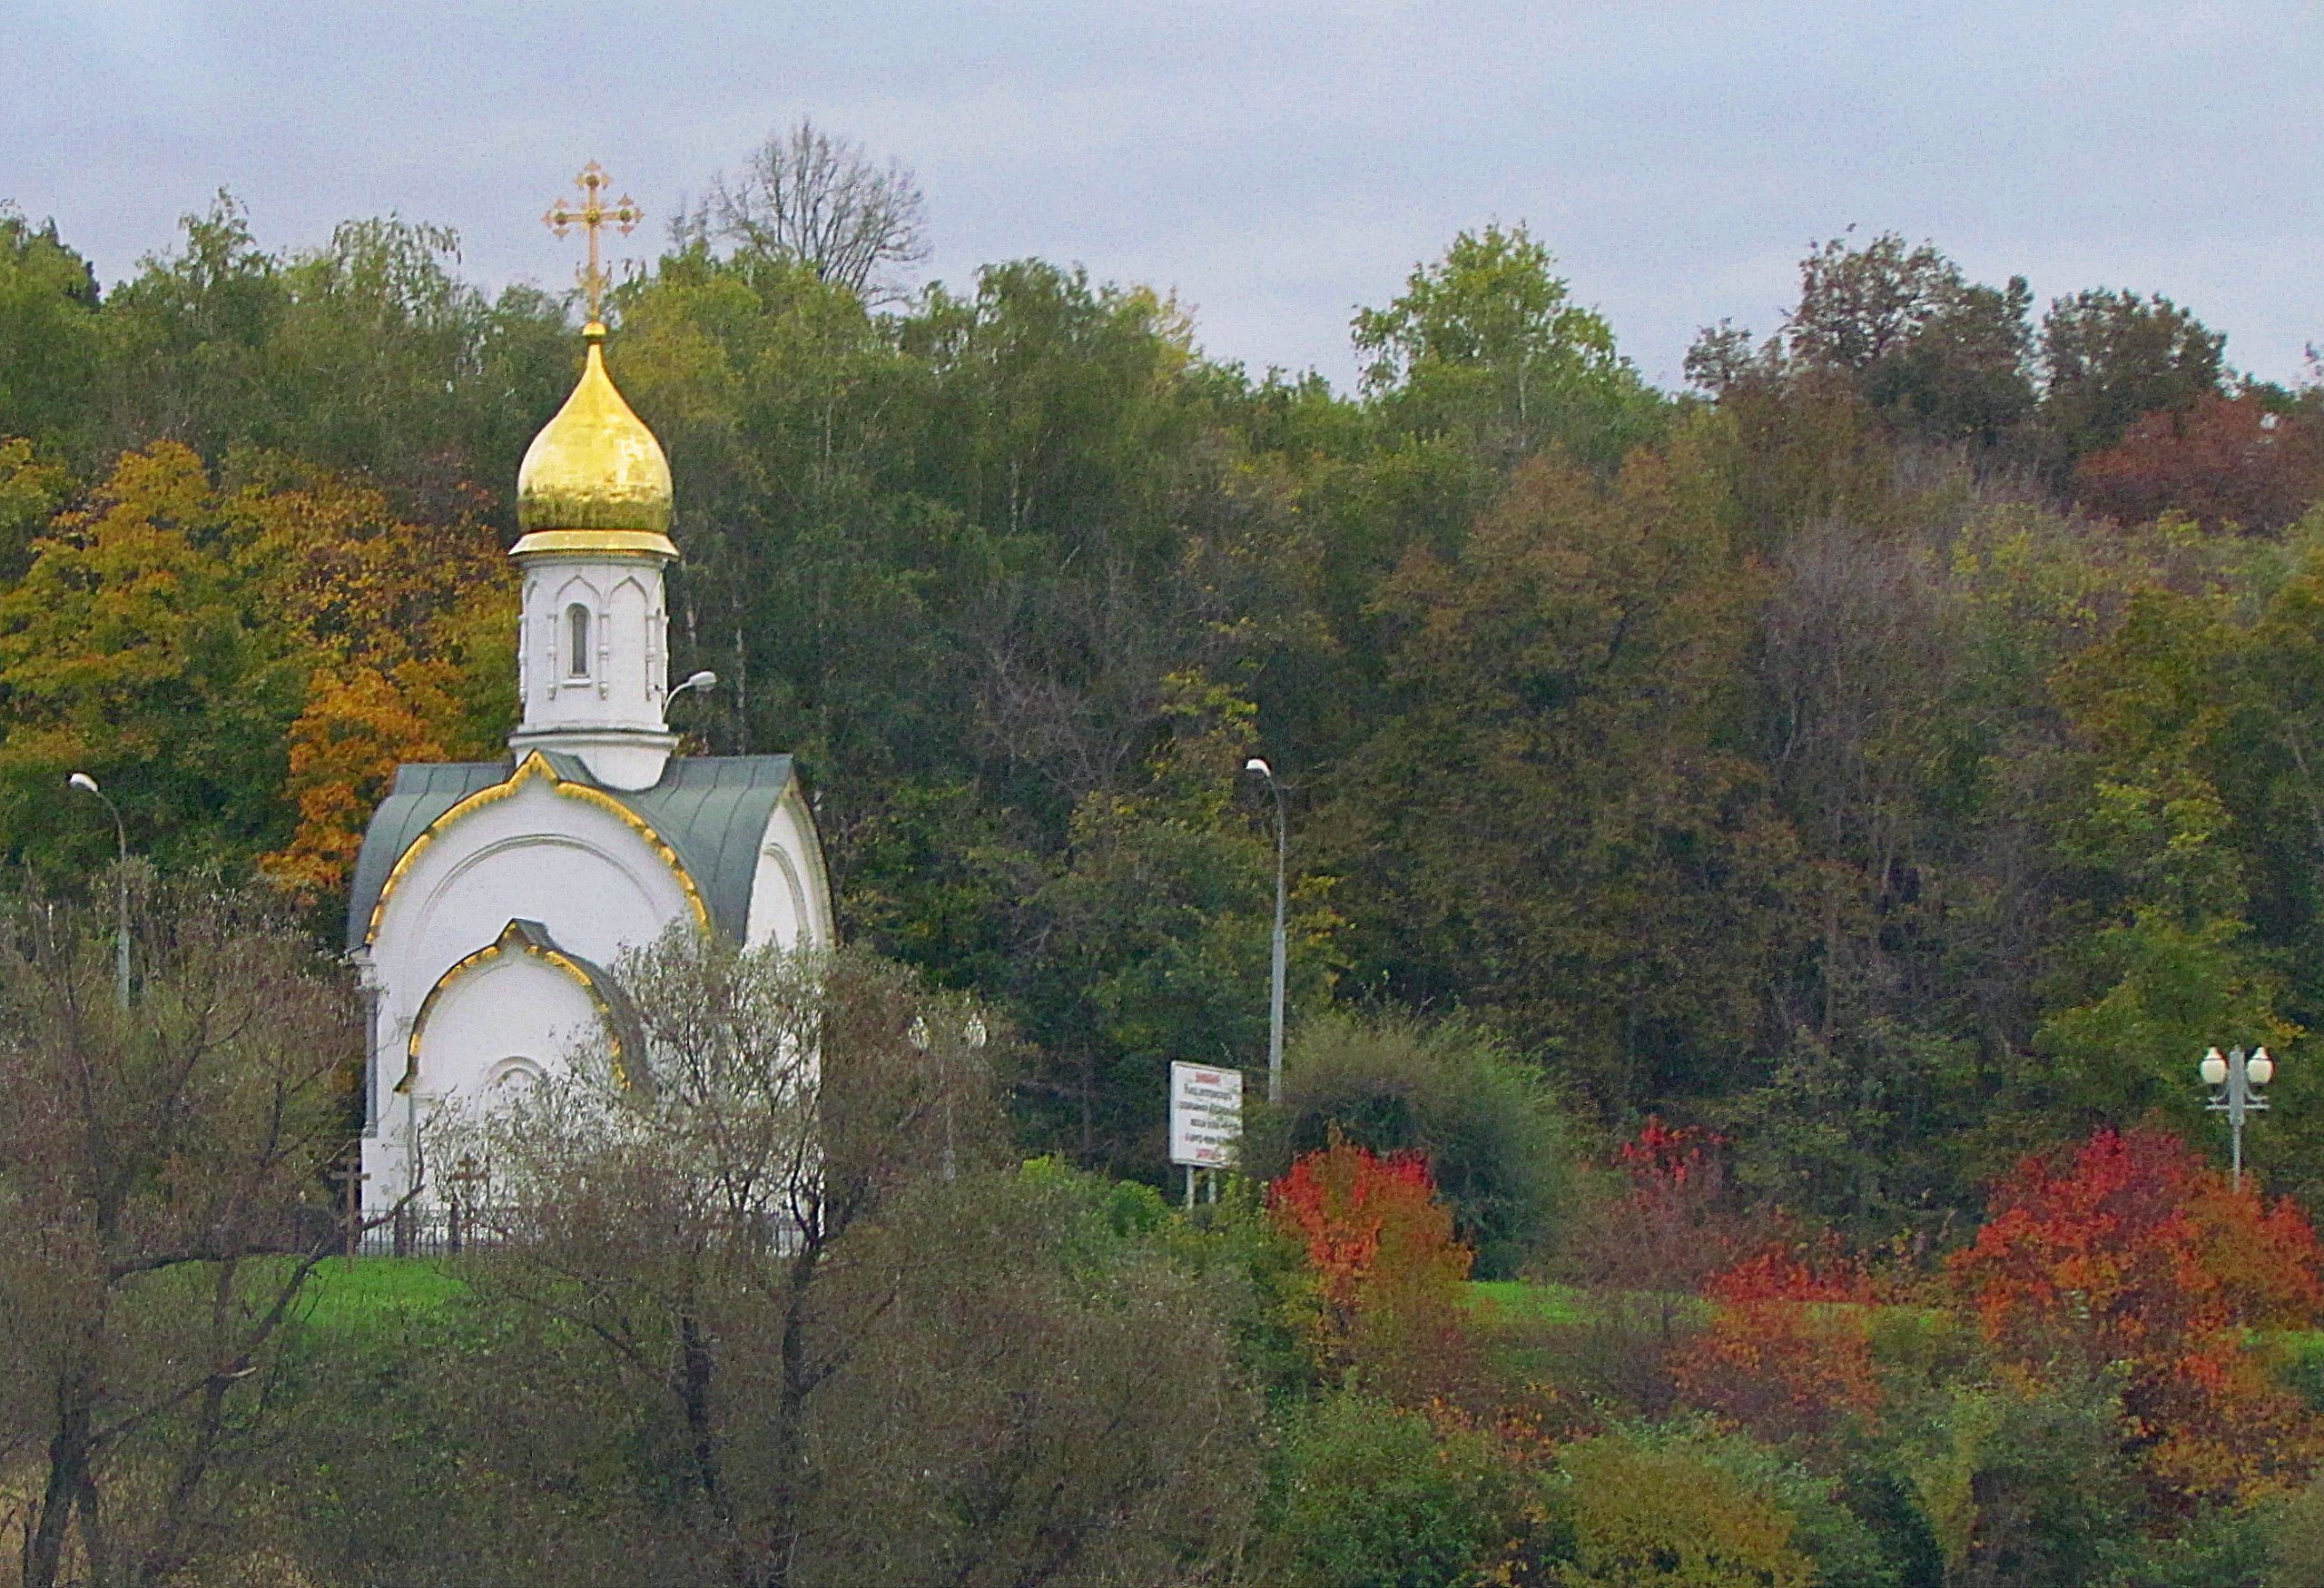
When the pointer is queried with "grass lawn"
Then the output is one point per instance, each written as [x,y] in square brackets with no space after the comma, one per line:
[342,1295]
[1523,1301]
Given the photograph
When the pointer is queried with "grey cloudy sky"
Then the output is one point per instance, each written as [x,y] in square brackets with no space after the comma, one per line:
[1276,164]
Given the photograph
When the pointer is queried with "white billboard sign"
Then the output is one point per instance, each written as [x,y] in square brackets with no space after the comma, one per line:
[1206,1115]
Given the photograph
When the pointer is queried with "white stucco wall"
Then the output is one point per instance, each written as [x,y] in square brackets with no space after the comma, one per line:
[627,665]
[537,855]
[790,896]
[557,857]
[504,1023]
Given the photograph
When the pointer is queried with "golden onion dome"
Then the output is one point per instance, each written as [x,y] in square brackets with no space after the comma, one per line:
[595,478]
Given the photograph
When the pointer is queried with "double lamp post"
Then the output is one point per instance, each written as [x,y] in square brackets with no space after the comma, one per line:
[2235,1079]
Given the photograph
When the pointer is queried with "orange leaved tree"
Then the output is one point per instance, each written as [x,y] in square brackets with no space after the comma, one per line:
[407,630]
[2132,1258]
[1387,1265]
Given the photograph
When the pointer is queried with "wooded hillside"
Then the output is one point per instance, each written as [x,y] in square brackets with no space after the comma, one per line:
[1901,750]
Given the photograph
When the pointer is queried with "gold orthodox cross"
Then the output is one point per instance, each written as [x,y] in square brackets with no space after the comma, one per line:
[593,215]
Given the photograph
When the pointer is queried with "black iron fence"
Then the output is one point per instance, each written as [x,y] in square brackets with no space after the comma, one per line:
[440,1229]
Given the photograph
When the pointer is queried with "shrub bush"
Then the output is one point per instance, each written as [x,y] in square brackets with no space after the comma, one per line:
[1684,1507]
[1372,1497]
[1486,1121]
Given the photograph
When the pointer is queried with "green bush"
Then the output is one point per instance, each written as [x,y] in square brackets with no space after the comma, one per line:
[1492,1129]
[2021,1486]
[1372,1497]
[1685,1507]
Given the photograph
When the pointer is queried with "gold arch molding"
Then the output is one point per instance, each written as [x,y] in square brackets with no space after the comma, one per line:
[514,939]
[535,766]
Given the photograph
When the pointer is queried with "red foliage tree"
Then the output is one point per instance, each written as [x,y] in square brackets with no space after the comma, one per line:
[1789,1350]
[2133,1258]
[2224,460]
[1387,1265]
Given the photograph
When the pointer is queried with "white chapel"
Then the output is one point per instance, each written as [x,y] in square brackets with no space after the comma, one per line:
[492,899]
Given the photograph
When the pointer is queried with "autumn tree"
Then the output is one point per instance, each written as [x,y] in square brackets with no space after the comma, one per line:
[1548,814]
[2130,1255]
[246,660]
[1940,357]
[1387,1267]
[2218,459]
[405,631]
[136,648]
[1649,1229]
[1495,1139]
[1788,1352]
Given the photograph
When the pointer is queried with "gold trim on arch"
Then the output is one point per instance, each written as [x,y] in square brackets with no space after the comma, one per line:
[512,935]
[536,764]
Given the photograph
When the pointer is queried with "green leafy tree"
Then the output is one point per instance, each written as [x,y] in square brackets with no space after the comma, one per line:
[1488,343]
[1680,1507]
[2109,358]
[1159,932]
[49,349]
[1494,1138]
[368,353]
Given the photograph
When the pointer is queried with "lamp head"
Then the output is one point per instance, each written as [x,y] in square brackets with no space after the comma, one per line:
[1257,765]
[2213,1068]
[704,680]
[83,781]
[2260,1069]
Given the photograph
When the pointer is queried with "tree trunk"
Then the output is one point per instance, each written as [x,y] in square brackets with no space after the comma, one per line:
[70,1484]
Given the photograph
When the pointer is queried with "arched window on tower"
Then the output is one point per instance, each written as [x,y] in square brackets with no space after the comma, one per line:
[576,641]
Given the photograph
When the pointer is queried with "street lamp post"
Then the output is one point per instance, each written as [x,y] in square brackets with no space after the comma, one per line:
[1260,769]
[921,1037]
[2236,1080]
[88,785]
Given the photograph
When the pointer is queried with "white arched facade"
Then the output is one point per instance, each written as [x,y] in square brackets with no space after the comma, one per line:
[491,943]
[790,896]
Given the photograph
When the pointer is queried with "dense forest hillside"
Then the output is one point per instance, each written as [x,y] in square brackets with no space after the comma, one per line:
[1900,750]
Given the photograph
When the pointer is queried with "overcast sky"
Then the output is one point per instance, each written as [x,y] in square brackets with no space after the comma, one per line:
[1276,164]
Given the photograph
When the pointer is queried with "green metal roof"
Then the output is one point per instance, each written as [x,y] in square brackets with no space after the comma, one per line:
[712,809]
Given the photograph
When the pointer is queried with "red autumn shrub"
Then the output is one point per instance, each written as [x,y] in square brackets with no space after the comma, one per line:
[1788,1348]
[2133,1258]
[1671,1223]
[1387,1265]
[2225,461]
[1651,1230]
